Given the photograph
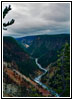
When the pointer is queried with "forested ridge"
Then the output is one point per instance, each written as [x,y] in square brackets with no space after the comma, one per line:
[20,59]
[45,47]
[58,76]
[14,53]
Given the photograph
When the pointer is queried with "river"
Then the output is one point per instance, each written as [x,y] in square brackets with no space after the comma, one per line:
[37,79]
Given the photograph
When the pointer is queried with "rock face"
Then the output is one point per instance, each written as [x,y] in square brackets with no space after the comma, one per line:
[45,47]
[18,69]
[15,84]
[10,89]
[19,65]
[13,81]
[18,57]
[15,60]
[26,40]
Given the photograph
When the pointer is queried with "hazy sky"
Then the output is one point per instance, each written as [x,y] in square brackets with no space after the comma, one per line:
[38,18]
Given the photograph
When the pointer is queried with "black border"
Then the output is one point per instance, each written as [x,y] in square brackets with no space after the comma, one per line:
[70,44]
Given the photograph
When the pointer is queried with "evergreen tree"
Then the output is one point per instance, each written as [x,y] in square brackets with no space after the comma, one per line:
[5,12]
[64,64]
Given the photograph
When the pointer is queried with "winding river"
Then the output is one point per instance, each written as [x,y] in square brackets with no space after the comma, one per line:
[37,79]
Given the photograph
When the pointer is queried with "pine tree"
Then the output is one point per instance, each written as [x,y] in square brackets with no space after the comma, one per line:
[64,64]
[5,12]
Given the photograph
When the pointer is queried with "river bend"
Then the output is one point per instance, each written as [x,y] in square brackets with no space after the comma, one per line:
[37,79]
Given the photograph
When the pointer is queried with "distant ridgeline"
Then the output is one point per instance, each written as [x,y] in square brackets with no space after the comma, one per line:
[14,53]
[45,47]
[19,53]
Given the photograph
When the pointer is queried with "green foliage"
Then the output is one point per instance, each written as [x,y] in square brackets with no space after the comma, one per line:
[60,81]
[5,12]
[29,92]
[13,52]
[45,47]
[35,93]
[64,64]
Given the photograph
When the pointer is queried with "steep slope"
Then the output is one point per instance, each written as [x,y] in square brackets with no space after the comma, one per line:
[54,45]
[15,54]
[45,47]
[58,75]
[15,84]
[27,39]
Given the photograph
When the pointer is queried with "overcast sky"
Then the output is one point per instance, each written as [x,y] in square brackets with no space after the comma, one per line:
[38,18]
